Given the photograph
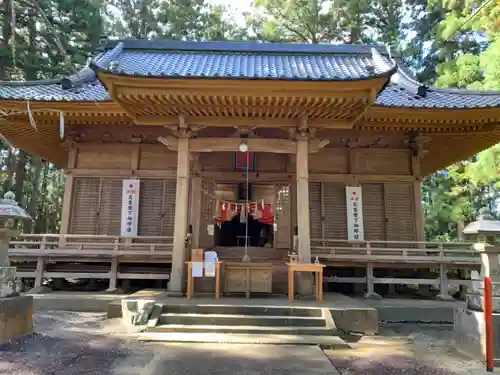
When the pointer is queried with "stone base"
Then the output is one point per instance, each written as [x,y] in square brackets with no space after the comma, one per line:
[444,297]
[304,282]
[469,334]
[353,320]
[476,302]
[10,285]
[373,296]
[16,317]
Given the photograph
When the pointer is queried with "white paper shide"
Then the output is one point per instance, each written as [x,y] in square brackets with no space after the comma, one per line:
[354,213]
[130,208]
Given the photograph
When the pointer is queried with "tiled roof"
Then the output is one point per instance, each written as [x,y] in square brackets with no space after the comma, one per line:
[396,96]
[243,61]
[79,87]
[235,60]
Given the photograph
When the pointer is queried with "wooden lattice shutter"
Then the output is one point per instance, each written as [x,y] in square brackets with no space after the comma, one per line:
[282,237]
[315,213]
[85,206]
[335,211]
[373,212]
[400,212]
[151,207]
[207,212]
[110,207]
[168,194]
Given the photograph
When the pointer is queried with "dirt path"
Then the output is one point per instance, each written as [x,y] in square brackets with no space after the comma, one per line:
[408,349]
[69,343]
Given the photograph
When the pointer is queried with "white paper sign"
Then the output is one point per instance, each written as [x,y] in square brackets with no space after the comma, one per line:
[130,208]
[210,259]
[354,203]
[197,269]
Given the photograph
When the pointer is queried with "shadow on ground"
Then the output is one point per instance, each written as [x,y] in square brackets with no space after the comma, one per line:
[40,354]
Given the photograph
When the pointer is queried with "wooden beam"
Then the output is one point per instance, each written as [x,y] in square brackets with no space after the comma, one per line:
[313,177]
[122,173]
[277,146]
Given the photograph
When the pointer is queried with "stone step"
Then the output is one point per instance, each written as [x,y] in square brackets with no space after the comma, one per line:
[280,330]
[244,310]
[240,320]
[330,342]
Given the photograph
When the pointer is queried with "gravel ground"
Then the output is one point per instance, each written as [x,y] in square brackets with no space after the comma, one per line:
[69,343]
[66,343]
[405,349]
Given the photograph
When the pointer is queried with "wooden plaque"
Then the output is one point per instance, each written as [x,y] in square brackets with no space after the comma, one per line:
[197,255]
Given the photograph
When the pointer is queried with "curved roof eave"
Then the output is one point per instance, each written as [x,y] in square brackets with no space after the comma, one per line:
[80,87]
[414,95]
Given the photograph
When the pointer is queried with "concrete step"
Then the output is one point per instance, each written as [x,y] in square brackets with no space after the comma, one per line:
[241,320]
[330,342]
[244,310]
[308,331]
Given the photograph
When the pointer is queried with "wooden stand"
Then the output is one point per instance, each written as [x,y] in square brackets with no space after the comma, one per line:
[305,267]
[248,278]
[190,283]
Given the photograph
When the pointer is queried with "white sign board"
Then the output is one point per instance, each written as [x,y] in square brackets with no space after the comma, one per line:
[354,201]
[130,208]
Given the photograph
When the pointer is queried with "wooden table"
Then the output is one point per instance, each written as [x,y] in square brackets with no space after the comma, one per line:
[248,277]
[190,283]
[317,269]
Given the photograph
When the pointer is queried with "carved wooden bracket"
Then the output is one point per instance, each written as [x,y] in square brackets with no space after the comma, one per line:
[416,143]
[356,142]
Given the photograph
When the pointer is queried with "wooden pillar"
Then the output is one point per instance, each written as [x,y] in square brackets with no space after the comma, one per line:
[176,283]
[302,174]
[417,196]
[195,215]
[67,203]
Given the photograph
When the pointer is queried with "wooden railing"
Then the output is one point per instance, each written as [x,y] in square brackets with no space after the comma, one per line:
[394,255]
[407,252]
[71,248]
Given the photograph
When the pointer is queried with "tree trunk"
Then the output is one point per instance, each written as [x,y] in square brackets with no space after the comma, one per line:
[6,31]
[20,176]
[35,194]
[11,165]
[41,224]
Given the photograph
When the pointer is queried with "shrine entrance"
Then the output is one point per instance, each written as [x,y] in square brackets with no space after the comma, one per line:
[245,220]
[234,233]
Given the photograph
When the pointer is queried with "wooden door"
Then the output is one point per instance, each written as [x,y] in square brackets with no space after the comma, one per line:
[373,211]
[400,212]
[315,211]
[151,207]
[168,207]
[335,211]
[110,207]
[85,202]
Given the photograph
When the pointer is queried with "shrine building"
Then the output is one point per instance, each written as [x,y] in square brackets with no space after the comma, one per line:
[256,148]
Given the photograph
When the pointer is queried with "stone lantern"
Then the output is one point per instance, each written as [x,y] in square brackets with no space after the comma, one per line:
[469,329]
[15,310]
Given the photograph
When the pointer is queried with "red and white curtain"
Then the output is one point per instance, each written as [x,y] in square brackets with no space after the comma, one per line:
[262,212]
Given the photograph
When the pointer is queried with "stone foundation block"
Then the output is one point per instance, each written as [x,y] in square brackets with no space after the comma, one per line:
[16,317]
[363,321]
[469,333]
[10,285]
